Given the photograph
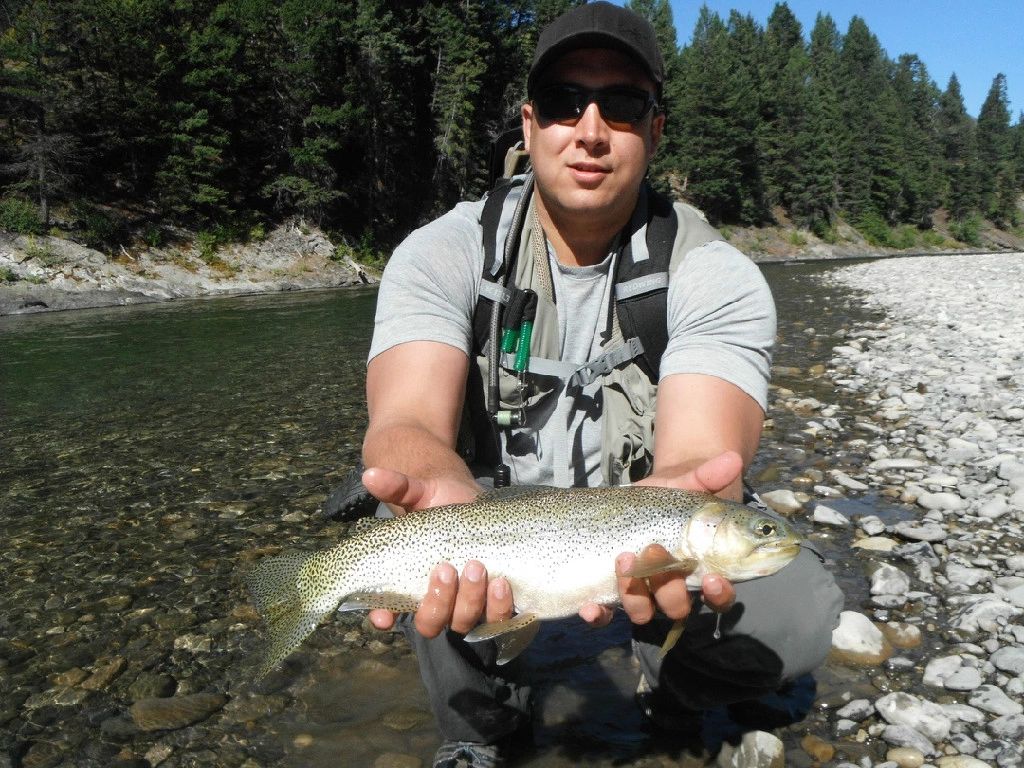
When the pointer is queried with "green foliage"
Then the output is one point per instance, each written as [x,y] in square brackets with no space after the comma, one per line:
[797,239]
[41,251]
[874,229]
[967,230]
[371,116]
[95,228]
[19,217]
[8,275]
[903,237]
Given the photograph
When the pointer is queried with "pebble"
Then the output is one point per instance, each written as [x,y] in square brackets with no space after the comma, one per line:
[176,711]
[826,515]
[782,500]
[757,749]
[858,642]
[905,757]
[992,699]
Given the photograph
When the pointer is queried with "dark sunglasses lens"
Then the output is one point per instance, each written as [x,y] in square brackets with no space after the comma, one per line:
[617,105]
[623,105]
[561,103]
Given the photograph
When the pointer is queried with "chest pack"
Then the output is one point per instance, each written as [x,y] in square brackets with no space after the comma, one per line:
[640,278]
[520,381]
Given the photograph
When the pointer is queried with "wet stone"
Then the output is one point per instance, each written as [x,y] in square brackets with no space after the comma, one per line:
[405,719]
[397,760]
[42,754]
[105,674]
[176,711]
[254,706]
[152,686]
[70,677]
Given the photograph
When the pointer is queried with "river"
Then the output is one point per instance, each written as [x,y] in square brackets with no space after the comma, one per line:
[148,454]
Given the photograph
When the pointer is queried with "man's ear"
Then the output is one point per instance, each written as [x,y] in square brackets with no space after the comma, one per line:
[657,128]
[527,113]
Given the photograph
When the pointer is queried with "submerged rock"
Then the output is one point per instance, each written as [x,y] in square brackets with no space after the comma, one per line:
[176,711]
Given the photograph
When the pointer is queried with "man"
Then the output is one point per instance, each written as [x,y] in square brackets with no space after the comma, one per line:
[591,126]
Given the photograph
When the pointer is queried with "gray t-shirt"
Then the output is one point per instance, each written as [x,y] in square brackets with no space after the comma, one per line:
[721,321]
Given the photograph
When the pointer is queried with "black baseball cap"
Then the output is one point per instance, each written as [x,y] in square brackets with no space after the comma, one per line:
[599,25]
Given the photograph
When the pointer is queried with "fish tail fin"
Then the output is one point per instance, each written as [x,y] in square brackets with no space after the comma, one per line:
[290,615]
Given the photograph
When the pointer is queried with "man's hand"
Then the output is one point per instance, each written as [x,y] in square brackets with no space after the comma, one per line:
[404,493]
[668,591]
[451,600]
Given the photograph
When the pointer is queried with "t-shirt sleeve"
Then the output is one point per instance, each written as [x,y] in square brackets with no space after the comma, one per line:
[721,320]
[429,288]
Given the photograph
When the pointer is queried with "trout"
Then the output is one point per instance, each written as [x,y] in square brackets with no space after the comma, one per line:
[555,546]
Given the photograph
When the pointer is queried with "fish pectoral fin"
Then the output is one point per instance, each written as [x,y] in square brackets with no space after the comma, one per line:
[672,637]
[391,601]
[651,564]
[512,636]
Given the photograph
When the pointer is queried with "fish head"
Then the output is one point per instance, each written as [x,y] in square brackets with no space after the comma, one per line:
[748,543]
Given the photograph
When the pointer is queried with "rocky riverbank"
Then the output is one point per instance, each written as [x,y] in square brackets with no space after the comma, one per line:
[940,630]
[44,273]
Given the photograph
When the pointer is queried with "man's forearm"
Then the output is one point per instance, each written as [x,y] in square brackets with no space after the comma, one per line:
[413,450]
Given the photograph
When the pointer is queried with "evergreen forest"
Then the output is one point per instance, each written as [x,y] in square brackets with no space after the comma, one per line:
[369,117]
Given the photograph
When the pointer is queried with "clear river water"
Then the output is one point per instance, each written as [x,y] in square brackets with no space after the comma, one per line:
[148,454]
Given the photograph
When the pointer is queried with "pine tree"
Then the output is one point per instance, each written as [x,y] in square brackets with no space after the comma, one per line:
[783,109]
[959,152]
[921,182]
[815,199]
[998,186]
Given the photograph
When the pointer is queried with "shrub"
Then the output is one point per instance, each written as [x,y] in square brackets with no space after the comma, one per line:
[97,229]
[19,216]
[967,230]
[904,237]
[932,239]
[874,229]
[8,275]
[796,238]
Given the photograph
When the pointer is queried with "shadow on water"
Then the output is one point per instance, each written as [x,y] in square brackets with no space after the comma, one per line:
[150,452]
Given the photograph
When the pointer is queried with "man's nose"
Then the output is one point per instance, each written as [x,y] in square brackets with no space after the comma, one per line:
[591,129]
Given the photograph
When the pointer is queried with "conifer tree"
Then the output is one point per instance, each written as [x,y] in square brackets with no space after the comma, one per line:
[815,198]
[997,183]
[921,177]
[959,152]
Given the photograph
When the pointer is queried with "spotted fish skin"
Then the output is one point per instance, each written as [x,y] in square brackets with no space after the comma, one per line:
[556,547]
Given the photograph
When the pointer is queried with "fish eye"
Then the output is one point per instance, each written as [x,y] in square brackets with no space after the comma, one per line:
[765,528]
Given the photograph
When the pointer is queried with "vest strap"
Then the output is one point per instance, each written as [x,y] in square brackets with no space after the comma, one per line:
[495,292]
[606,363]
[641,285]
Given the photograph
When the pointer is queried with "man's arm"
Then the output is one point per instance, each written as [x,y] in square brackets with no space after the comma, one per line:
[414,394]
[698,418]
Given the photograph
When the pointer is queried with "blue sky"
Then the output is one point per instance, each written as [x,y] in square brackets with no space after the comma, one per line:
[977,39]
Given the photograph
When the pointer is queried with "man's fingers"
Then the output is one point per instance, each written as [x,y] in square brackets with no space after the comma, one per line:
[393,487]
[472,597]
[717,473]
[635,596]
[435,612]
[382,619]
[596,615]
[719,594]
[500,602]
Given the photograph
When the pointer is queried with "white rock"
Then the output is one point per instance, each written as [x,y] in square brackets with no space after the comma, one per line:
[968,577]
[963,679]
[856,634]
[1010,469]
[885,464]
[984,615]
[889,580]
[937,670]
[964,713]
[923,532]
[757,749]
[825,515]
[993,509]
[876,544]
[1009,659]
[961,761]
[782,501]
[925,717]
[848,482]
[872,525]
[905,736]
[992,699]
[1015,562]
[858,709]
[943,501]
[1008,727]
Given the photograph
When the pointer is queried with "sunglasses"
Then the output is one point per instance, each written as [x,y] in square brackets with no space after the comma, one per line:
[621,106]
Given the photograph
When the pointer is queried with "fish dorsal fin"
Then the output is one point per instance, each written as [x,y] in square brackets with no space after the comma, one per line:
[512,636]
[649,564]
[513,492]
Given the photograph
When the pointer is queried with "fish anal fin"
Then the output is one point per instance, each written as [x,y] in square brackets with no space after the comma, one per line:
[391,601]
[512,636]
[672,637]
[649,564]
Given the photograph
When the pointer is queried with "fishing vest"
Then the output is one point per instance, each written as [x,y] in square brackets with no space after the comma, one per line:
[650,249]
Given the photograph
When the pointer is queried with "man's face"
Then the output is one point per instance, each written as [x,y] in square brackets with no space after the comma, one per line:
[589,166]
